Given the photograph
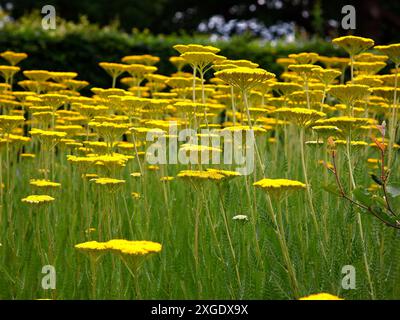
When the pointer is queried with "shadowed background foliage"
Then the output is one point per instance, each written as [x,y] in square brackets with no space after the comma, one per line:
[92,31]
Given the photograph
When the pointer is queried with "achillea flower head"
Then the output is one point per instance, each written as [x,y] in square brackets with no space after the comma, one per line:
[178,62]
[301,116]
[321,296]
[8,71]
[37,75]
[326,131]
[279,185]
[108,181]
[182,48]
[201,59]
[197,175]
[326,76]
[44,184]
[145,59]
[392,51]
[12,57]
[92,247]
[353,45]
[304,57]
[8,123]
[344,123]
[38,199]
[133,248]
[244,78]
[368,68]
[113,69]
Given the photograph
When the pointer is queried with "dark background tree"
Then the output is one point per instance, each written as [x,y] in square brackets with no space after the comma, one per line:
[375,18]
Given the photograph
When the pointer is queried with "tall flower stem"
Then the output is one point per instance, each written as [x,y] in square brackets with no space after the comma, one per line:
[233,106]
[253,222]
[203,97]
[308,188]
[351,67]
[93,271]
[228,233]
[309,195]
[359,221]
[393,120]
[246,103]
[280,232]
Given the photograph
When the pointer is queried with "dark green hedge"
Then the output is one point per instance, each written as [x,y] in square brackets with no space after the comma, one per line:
[79,47]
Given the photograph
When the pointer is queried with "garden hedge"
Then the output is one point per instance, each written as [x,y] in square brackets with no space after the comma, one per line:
[80,47]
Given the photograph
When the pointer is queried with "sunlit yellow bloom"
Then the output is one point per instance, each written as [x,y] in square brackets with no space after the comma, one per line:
[38,199]
[244,78]
[392,50]
[321,296]
[353,45]
[44,184]
[12,57]
[283,184]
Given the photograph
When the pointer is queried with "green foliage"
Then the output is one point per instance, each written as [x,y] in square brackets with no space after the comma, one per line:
[81,46]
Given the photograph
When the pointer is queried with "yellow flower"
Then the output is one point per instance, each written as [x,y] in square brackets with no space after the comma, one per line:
[353,45]
[134,248]
[108,130]
[244,78]
[136,174]
[349,93]
[368,68]
[321,296]
[279,185]
[113,69]
[27,155]
[12,57]
[178,62]
[256,130]
[108,181]
[301,116]
[91,247]
[392,50]
[284,88]
[201,59]
[304,70]
[181,48]
[352,143]
[8,123]
[327,131]
[135,195]
[62,76]
[8,71]
[304,57]
[146,59]
[37,75]
[326,76]
[38,199]
[226,173]
[344,123]
[370,57]
[44,184]
[195,175]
